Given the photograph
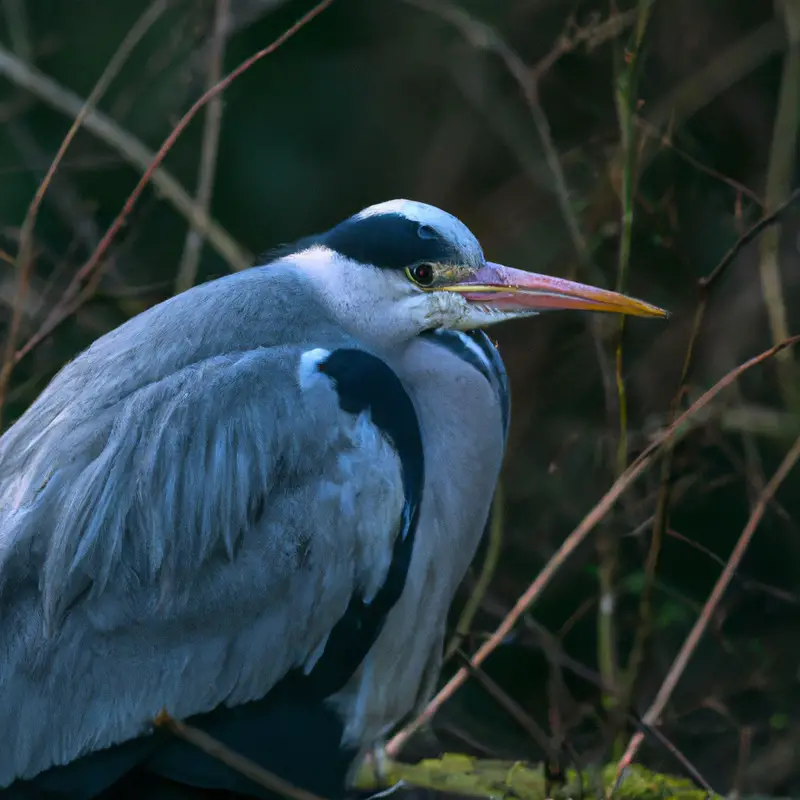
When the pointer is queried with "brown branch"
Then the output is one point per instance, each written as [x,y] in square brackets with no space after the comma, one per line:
[557,658]
[653,713]
[130,148]
[660,520]
[25,252]
[637,468]
[84,274]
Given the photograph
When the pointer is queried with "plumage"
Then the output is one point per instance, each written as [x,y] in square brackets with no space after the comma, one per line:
[251,505]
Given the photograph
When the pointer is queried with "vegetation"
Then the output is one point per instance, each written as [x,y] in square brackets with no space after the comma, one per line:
[647,145]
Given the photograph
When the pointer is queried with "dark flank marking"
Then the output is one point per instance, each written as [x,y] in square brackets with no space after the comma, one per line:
[387,241]
[365,383]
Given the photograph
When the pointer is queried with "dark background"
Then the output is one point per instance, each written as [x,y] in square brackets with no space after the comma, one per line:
[377,99]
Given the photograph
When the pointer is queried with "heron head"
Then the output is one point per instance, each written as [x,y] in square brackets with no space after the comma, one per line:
[402,267]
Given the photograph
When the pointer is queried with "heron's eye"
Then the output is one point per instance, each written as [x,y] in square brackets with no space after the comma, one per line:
[421,274]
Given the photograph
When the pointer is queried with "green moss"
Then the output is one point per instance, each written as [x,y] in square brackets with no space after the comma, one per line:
[498,780]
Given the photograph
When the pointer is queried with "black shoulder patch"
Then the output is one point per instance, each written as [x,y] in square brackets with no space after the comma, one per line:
[477,350]
[366,383]
[389,241]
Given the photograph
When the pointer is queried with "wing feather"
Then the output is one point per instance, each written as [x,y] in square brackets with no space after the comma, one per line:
[181,547]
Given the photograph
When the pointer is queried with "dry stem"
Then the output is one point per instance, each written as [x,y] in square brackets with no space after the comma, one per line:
[187,272]
[25,253]
[73,296]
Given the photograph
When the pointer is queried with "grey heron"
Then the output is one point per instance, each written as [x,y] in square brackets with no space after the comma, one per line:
[251,505]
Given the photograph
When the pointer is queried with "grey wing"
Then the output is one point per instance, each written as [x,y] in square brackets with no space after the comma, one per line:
[190,544]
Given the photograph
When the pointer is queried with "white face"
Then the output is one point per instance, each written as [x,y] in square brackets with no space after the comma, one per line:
[384,307]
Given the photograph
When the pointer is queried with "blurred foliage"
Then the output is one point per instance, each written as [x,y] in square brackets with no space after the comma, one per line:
[387,98]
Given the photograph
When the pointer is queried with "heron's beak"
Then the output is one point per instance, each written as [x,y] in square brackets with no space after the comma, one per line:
[507,289]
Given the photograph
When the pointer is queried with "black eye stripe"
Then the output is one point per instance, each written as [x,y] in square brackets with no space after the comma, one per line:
[390,241]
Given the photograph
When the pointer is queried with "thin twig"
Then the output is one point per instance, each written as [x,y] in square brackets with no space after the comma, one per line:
[625,96]
[643,627]
[592,35]
[686,99]
[514,710]
[748,584]
[637,468]
[779,177]
[770,218]
[556,657]
[691,769]
[665,140]
[128,146]
[18,28]
[92,263]
[661,518]
[653,713]
[525,721]
[85,273]
[25,253]
[187,272]
[244,766]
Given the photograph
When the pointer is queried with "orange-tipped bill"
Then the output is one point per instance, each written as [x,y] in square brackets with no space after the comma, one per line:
[507,289]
